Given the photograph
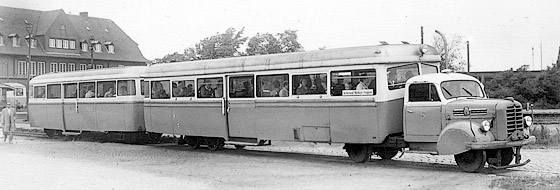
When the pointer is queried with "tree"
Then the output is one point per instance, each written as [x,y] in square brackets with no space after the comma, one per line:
[288,41]
[221,45]
[263,44]
[268,44]
[455,45]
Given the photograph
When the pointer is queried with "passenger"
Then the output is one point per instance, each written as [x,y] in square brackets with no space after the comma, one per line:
[284,92]
[361,85]
[246,91]
[123,91]
[90,93]
[158,92]
[372,84]
[303,87]
[8,121]
[408,75]
[110,93]
[175,90]
[392,78]
[206,92]
[182,89]
[317,87]
[336,89]
[218,91]
[189,91]
[348,86]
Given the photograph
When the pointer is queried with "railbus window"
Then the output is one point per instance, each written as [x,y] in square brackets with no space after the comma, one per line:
[273,85]
[160,89]
[30,91]
[70,90]
[309,84]
[145,88]
[87,89]
[210,87]
[424,92]
[426,69]
[397,76]
[39,91]
[183,88]
[126,88]
[353,83]
[53,91]
[106,89]
[241,87]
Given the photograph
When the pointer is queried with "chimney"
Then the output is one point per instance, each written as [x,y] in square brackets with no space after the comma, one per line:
[84,15]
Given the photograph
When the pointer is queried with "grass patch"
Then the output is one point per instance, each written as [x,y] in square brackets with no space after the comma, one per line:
[547,137]
[526,182]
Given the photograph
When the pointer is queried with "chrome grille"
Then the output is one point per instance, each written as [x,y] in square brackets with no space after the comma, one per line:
[475,111]
[514,119]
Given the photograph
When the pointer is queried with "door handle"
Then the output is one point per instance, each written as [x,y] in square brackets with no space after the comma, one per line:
[77,111]
[409,111]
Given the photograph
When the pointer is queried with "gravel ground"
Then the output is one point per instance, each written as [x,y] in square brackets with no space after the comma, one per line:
[37,163]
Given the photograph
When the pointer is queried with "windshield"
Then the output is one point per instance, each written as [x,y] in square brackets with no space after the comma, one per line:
[463,88]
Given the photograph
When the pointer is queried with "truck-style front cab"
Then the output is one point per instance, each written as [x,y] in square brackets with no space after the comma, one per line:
[450,114]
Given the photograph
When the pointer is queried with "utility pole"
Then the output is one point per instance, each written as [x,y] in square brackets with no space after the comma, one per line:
[468,59]
[421,34]
[29,38]
[533,57]
[541,56]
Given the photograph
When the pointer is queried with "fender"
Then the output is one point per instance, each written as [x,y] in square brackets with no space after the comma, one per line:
[452,140]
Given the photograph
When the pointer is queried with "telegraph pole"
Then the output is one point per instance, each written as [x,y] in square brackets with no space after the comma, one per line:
[468,59]
[533,57]
[29,38]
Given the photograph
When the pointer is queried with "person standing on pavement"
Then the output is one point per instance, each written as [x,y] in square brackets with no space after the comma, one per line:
[8,121]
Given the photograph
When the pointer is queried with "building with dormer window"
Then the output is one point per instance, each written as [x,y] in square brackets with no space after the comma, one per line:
[60,43]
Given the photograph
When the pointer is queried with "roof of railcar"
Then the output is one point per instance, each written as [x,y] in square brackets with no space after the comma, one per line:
[380,54]
[88,75]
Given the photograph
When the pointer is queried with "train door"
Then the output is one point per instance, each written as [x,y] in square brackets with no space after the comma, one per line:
[70,110]
[240,106]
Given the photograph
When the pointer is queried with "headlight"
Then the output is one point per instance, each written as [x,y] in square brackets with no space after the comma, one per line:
[485,126]
[527,121]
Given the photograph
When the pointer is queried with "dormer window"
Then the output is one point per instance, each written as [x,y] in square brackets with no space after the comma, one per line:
[15,40]
[33,42]
[96,46]
[84,45]
[1,40]
[110,47]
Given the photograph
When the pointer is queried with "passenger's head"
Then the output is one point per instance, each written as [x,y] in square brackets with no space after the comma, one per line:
[304,81]
[348,86]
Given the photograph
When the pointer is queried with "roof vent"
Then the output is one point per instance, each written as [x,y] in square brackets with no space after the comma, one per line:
[87,28]
[383,43]
[106,30]
[1,19]
[84,14]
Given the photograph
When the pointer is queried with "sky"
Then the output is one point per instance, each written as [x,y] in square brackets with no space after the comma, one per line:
[501,34]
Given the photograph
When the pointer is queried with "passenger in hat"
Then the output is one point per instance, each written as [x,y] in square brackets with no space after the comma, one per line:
[8,121]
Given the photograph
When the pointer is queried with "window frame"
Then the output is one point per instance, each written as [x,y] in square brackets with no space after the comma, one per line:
[295,83]
[354,80]
[219,79]
[86,90]
[432,90]
[258,83]
[59,91]
[64,86]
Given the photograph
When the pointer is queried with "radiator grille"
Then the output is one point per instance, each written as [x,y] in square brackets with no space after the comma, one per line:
[514,119]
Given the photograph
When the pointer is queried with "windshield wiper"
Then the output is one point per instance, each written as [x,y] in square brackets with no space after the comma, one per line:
[447,91]
[470,94]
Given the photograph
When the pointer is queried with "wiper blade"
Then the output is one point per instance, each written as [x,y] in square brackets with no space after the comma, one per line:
[470,94]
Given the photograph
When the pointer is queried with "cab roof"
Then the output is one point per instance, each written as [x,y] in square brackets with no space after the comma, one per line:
[439,77]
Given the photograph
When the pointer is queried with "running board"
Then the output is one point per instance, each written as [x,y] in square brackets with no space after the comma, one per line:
[421,152]
[71,133]
[241,143]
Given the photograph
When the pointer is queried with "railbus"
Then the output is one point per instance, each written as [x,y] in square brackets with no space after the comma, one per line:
[348,95]
[375,99]
[105,100]
[17,96]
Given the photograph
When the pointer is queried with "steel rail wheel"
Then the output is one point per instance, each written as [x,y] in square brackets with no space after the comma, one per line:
[359,153]
[471,161]
[215,144]
[386,153]
[192,142]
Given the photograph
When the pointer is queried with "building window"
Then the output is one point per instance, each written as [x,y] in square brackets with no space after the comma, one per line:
[33,43]
[98,66]
[62,67]
[21,68]
[111,48]
[97,48]
[71,67]
[65,44]
[52,43]
[41,68]
[32,68]
[83,67]
[72,44]
[54,67]
[1,40]
[15,40]
[84,46]
[58,43]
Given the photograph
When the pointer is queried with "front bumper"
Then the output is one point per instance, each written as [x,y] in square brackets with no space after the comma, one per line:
[499,144]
